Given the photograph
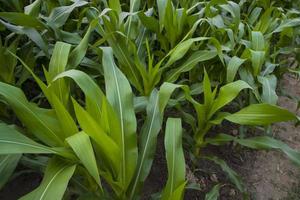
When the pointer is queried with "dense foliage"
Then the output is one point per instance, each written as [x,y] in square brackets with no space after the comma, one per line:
[87,86]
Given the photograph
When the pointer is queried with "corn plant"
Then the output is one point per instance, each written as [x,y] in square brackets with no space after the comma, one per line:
[209,114]
[104,146]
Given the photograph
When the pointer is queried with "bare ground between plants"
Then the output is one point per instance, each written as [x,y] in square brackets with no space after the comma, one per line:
[271,176]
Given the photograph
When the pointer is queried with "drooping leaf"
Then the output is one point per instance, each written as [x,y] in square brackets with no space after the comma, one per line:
[258,142]
[82,147]
[14,142]
[261,114]
[41,122]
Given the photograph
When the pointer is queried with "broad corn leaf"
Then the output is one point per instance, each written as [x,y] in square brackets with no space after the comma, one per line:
[41,122]
[120,96]
[175,160]
[261,114]
[81,145]
[57,65]
[14,142]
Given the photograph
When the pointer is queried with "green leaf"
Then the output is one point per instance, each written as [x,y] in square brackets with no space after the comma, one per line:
[261,114]
[60,15]
[258,41]
[13,142]
[33,9]
[93,94]
[8,164]
[115,5]
[79,52]
[55,181]
[259,142]
[120,96]
[66,121]
[83,148]
[105,144]
[57,65]
[41,122]
[227,94]
[175,160]
[31,33]
[213,194]
[269,84]
[268,143]
[22,19]
[232,68]
[148,136]
[190,63]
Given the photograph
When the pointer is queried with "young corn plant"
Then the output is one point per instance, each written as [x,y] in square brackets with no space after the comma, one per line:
[104,145]
[209,114]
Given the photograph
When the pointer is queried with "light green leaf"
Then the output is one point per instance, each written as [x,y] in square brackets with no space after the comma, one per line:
[93,94]
[232,68]
[60,15]
[269,84]
[120,96]
[79,52]
[33,9]
[57,65]
[261,114]
[227,94]
[13,142]
[105,144]
[83,148]
[174,189]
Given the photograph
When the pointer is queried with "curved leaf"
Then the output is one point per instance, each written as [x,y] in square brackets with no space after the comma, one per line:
[55,181]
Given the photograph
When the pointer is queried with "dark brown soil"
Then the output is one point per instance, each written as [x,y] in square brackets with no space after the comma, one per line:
[20,186]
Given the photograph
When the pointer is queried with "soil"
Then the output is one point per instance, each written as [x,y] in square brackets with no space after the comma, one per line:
[267,175]
[271,176]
